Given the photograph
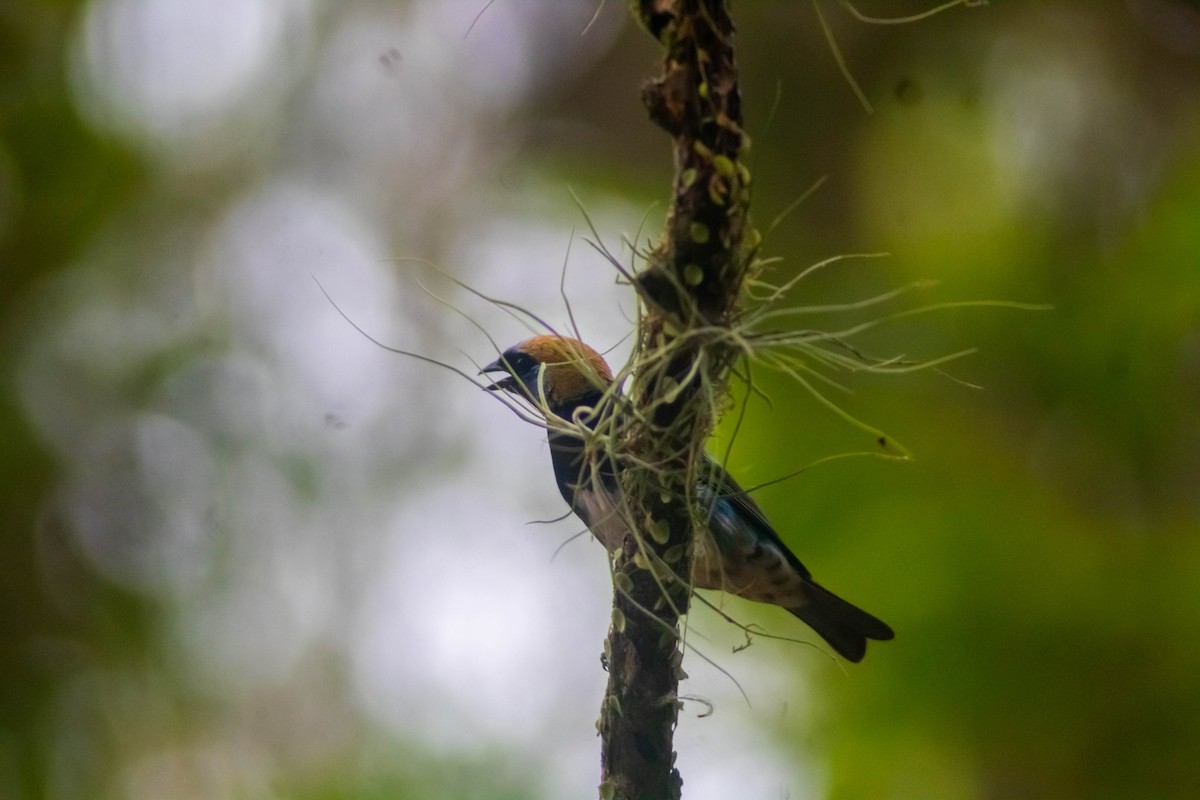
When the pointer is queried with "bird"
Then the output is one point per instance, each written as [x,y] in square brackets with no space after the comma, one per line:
[572,386]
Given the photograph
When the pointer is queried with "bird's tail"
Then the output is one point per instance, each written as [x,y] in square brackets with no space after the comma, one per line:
[845,626]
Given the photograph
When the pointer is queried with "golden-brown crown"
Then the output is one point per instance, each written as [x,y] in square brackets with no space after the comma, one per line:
[572,369]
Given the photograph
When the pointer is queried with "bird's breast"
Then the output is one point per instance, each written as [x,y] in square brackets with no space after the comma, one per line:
[598,509]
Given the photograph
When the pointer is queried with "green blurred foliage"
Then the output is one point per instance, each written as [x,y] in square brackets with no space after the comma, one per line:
[1038,557]
[59,182]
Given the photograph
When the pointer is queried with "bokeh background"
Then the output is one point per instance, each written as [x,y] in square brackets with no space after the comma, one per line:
[246,553]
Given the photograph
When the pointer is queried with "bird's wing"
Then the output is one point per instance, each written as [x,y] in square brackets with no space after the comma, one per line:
[742,506]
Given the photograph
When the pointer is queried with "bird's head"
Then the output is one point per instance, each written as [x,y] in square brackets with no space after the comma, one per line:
[563,372]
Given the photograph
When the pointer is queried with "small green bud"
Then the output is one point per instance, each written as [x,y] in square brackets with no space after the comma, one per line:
[717,191]
[753,239]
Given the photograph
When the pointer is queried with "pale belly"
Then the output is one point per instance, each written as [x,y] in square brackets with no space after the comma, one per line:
[762,574]
[764,577]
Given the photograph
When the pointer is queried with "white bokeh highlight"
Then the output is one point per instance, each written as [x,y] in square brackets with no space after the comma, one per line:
[174,74]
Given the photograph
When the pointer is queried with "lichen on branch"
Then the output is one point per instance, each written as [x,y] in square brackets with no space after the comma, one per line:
[690,291]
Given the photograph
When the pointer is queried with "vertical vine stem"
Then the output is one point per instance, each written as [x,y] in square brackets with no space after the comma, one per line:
[690,289]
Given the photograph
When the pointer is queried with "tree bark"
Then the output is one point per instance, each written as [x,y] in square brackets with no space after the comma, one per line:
[690,290]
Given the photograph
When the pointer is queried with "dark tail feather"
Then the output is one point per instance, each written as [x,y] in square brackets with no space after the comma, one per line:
[846,627]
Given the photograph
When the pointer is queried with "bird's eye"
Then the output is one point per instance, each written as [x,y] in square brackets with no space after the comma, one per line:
[521,364]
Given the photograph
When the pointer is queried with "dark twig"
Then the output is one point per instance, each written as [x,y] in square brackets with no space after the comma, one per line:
[690,289]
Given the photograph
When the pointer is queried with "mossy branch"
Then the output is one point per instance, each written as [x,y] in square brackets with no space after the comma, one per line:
[691,290]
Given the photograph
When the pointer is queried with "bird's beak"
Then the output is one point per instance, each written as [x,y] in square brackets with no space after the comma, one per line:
[508,383]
